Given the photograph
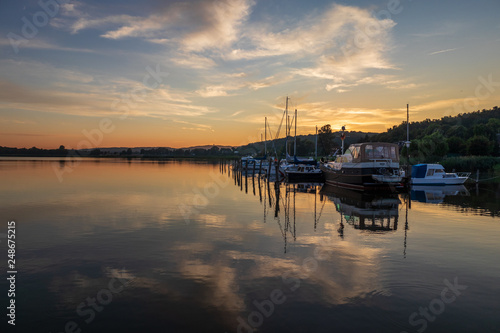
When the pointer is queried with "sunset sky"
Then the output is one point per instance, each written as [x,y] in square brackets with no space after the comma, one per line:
[184,73]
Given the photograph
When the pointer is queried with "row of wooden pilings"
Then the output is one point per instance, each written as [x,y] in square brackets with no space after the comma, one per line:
[250,168]
[256,169]
[240,169]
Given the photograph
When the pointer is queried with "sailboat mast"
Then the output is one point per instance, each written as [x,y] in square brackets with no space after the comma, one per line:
[407,139]
[265,136]
[295,139]
[286,127]
[316,146]
[407,122]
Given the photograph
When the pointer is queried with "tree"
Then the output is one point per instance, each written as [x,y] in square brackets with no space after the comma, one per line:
[95,152]
[304,147]
[457,130]
[326,137]
[431,129]
[479,145]
[457,145]
[214,150]
[432,146]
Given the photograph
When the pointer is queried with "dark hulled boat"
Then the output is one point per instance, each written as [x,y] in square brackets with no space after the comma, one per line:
[372,165]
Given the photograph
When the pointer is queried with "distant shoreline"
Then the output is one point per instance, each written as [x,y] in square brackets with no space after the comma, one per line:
[14,157]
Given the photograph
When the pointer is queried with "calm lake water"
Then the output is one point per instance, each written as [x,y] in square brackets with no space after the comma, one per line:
[144,246]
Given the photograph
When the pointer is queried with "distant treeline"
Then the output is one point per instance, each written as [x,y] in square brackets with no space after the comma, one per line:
[196,152]
[127,152]
[38,152]
[468,134]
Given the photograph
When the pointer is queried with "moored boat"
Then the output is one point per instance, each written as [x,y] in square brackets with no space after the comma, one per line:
[365,165]
[302,173]
[434,174]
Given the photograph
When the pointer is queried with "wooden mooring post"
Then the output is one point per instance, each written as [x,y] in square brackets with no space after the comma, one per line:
[277,172]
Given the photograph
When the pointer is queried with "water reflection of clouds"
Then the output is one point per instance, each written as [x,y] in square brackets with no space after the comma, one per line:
[349,272]
[74,287]
[230,255]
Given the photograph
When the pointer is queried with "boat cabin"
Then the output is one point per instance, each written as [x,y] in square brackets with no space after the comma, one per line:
[427,170]
[372,151]
[434,174]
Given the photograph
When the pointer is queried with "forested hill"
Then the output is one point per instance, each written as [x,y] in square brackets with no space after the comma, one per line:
[474,133]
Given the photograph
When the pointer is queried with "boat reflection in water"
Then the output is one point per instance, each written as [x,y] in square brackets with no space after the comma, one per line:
[436,194]
[365,210]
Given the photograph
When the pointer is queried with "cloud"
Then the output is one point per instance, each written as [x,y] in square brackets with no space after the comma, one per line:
[222,20]
[193,61]
[234,82]
[194,126]
[388,81]
[338,44]
[237,113]
[44,45]
[195,25]
[17,94]
[444,51]
[34,70]
[338,29]
[100,101]
[217,91]
[441,29]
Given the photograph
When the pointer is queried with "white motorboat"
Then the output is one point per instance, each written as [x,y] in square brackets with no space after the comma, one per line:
[434,174]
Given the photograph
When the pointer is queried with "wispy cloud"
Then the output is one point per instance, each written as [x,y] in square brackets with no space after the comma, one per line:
[193,61]
[388,81]
[217,90]
[443,51]
[338,44]
[44,45]
[195,25]
[440,29]
[230,84]
[237,113]
[194,126]
[98,101]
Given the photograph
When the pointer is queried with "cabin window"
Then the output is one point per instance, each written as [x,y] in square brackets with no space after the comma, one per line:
[393,153]
[430,172]
[369,151]
[379,152]
[439,171]
[355,152]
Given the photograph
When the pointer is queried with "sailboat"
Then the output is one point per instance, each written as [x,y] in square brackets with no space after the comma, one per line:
[295,169]
[250,163]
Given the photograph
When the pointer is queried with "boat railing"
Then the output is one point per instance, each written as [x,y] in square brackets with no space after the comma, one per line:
[463,174]
[457,175]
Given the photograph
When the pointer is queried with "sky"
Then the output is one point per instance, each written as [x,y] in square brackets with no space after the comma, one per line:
[88,74]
